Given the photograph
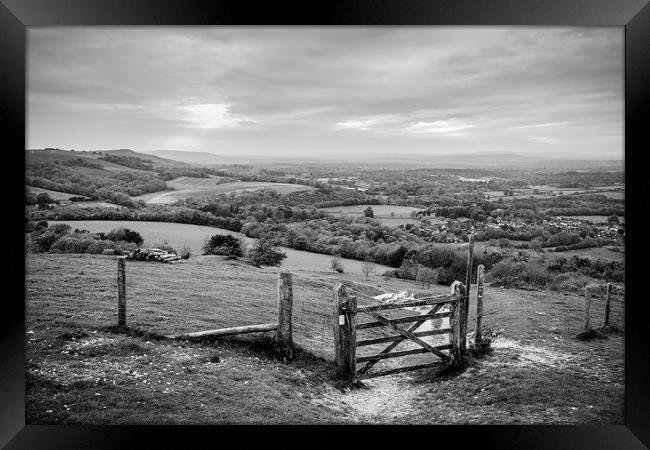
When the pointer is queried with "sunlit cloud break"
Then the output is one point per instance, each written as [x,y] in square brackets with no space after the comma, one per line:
[356,124]
[451,127]
[213,116]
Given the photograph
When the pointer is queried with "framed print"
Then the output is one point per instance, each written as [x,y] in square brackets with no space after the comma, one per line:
[369,213]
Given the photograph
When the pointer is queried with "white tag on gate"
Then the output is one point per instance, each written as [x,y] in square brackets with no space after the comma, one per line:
[341,319]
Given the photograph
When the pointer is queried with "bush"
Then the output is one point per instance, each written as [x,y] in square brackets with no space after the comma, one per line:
[504,243]
[185,252]
[123,248]
[266,253]
[71,244]
[509,273]
[100,247]
[164,245]
[562,238]
[222,244]
[124,234]
[335,264]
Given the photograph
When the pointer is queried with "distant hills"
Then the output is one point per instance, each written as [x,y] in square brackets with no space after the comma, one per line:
[51,154]
[198,158]
[487,160]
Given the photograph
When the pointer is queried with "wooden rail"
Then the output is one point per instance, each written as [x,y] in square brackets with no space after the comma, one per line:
[401,338]
[229,331]
[382,373]
[447,298]
[402,353]
[362,326]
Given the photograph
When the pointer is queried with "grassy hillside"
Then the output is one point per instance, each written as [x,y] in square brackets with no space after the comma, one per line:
[179,235]
[79,370]
[389,215]
[189,187]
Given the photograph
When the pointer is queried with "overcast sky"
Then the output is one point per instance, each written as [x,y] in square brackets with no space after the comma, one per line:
[324,90]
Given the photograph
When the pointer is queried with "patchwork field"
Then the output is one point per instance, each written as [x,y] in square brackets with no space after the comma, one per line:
[188,187]
[388,215]
[79,369]
[56,195]
[597,219]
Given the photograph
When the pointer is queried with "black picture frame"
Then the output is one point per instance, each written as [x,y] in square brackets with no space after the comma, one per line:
[16,15]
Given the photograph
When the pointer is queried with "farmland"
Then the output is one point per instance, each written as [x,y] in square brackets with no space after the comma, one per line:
[80,371]
[56,195]
[179,235]
[390,215]
[190,187]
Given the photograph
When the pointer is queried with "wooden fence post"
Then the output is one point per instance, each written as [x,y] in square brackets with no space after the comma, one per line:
[285,302]
[121,291]
[455,323]
[587,308]
[468,283]
[480,275]
[609,297]
[345,331]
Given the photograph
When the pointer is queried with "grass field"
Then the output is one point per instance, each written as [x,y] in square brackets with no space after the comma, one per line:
[388,215]
[79,369]
[188,187]
[56,195]
[179,235]
[597,219]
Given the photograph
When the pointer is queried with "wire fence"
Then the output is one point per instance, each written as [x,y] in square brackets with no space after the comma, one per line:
[173,299]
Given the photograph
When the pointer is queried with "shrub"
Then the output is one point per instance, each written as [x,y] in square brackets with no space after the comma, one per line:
[266,253]
[335,264]
[223,244]
[509,273]
[100,247]
[60,228]
[569,282]
[185,252]
[504,243]
[562,238]
[124,234]
[71,244]
[123,247]
[164,245]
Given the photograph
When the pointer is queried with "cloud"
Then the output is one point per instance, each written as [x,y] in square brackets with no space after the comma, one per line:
[449,127]
[356,124]
[212,116]
[349,88]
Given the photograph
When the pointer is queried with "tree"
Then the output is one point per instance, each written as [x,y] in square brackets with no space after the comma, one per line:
[223,244]
[368,266]
[368,212]
[425,276]
[124,234]
[265,252]
[44,198]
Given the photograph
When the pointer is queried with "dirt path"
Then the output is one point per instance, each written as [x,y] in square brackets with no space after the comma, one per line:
[384,400]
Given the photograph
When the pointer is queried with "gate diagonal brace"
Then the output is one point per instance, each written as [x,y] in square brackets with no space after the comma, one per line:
[408,335]
[413,327]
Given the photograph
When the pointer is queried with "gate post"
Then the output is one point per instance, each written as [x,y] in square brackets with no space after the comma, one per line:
[455,322]
[345,331]
[607,301]
[121,291]
[480,275]
[587,309]
[468,284]
[285,301]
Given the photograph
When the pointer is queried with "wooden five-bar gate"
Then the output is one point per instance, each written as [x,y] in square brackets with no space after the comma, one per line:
[346,327]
